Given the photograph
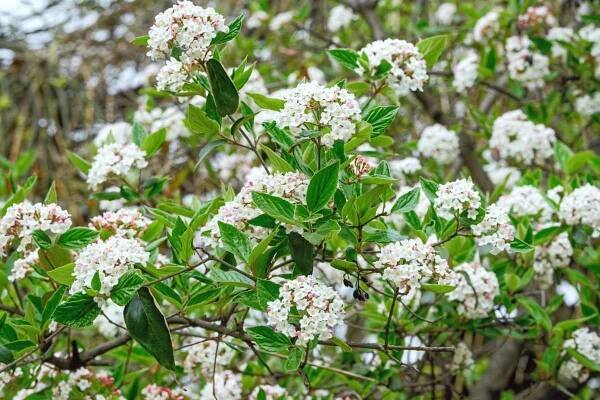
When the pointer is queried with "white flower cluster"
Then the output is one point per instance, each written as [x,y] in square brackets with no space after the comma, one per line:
[439,143]
[524,65]
[233,166]
[170,118]
[409,70]
[128,222]
[535,16]
[334,109]
[465,71]
[340,17]
[114,159]
[515,137]
[118,132]
[582,206]
[405,167]
[106,326]
[475,298]
[588,104]
[462,361]
[204,355]
[272,392]
[20,222]
[560,34]
[227,386]
[81,382]
[495,229]
[591,33]
[557,254]
[291,186]
[410,262]
[445,13]
[155,392]
[486,27]
[457,196]
[320,308]
[188,28]
[500,173]
[586,343]
[527,201]
[110,259]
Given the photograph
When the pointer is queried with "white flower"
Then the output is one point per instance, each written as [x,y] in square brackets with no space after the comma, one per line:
[412,356]
[527,201]
[169,118]
[591,33]
[557,254]
[202,355]
[118,132]
[486,27]
[233,166]
[439,143]
[127,222]
[114,159]
[155,392]
[406,166]
[535,16]
[256,19]
[495,229]
[582,206]
[334,109]
[410,262]
[445,13]
[409,70]
[524,65]
[227,386]
[171,76]
[586,343]
[110,259]
[515,137]
[465,72]
[340,17]
[475,296]
[272,392]
[462,360]
[560,34]
[106,326]
[320,308]
[569,293]
[588,104]
[280,20]
[456,197]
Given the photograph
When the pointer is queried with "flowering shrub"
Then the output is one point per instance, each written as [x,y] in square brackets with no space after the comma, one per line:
[416,217]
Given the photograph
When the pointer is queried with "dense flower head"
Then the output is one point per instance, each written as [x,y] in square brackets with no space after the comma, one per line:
[85,381]
[445,13]
[204,355]
[155,392]
[439,143]
[525,65]
[272,392]
[516,138]
[462,360]
[110,259]
[409,70]
[226,386]
[405,166]
[528,201]
[320,308]
[456,197]
[172,76]
[587,343]
[582,206]
[465,71]
[331,108]
[410,262]
[560,34]
[534,16]
[340,17]
[115,159]
[475,296]
[556,254]
[486,26]
[495,229]
[170,118]
[127,222]
[118,132]
[588,104]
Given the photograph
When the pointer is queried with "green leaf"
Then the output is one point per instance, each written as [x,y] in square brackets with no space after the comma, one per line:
[342,344]
[266,291]
[562,154]
[292,363]
[583,360]
[198,122]
[322,186]
[519,246]
[430,188]
[302,251]
[269,340]
[79,163]
[139,134]
[276,207]
[223,90]
[279,136]
[208,148]
[63,275]
[277,162]
[547,234]
[267,103]
[76,238]
[51,196]
[407,202]
[154,141]
[125,289]
[19,195]
[432,48]
[140,40]
[42,239]
[146,324]
[345,57]
[381,118]
[78,311]
[537,312]
[52,304]
[437,288]
[6,356]
[234,29]
[234,241]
